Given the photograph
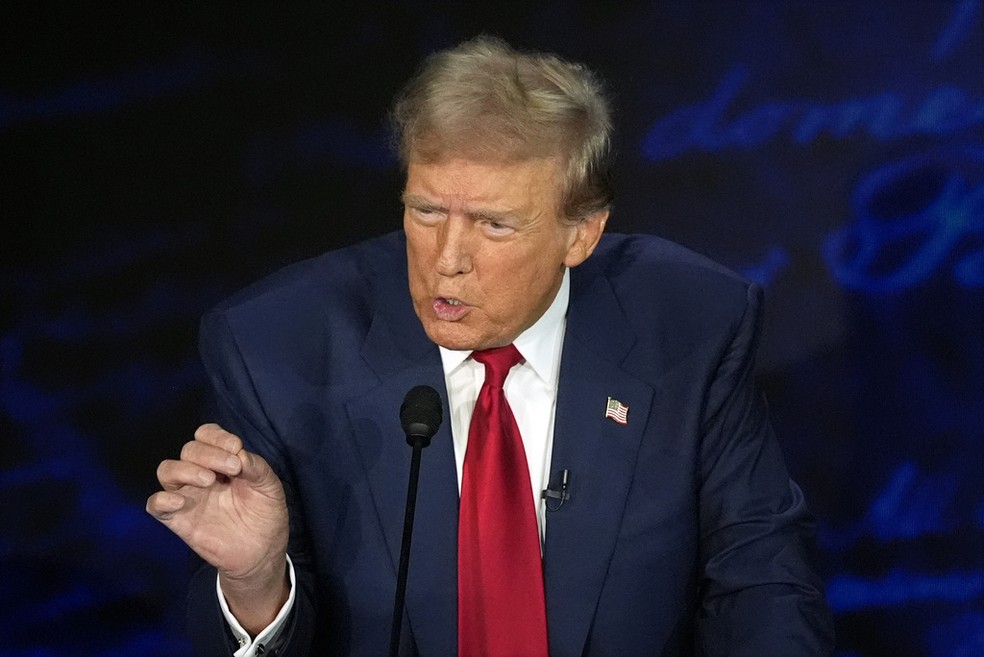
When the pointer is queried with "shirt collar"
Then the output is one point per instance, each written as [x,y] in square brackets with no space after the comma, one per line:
[539,344]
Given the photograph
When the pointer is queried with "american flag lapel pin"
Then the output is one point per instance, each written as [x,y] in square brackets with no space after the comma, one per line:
[617,411]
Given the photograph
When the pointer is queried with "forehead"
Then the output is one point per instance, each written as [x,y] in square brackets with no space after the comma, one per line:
[467,180]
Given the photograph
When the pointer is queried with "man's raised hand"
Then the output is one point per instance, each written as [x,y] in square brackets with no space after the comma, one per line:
[228,505]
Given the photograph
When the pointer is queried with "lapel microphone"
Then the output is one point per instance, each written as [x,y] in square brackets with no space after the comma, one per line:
[554,498]
[420,414]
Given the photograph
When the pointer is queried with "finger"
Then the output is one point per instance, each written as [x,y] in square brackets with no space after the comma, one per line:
[175,474]
[212,458]
[213,434]
[163,504]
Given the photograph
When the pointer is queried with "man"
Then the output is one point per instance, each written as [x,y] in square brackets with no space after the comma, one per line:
[673,527]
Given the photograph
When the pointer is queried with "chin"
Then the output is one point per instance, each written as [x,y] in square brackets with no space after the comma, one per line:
[450,338]
[463,340]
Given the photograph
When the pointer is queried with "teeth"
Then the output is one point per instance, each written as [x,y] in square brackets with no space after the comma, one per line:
[453,302]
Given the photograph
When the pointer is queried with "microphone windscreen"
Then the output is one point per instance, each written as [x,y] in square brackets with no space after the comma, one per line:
[421,413]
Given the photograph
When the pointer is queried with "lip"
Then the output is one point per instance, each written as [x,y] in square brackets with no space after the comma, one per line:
[447,312]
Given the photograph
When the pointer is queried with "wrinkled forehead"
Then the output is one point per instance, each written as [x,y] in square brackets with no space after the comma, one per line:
[544,173]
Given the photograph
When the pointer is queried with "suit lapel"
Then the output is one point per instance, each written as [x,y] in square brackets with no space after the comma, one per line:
[399,352]
[599,453]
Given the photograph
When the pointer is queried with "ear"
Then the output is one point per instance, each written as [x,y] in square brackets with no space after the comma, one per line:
[586,236]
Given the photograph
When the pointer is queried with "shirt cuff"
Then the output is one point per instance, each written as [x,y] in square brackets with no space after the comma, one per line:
[253,647]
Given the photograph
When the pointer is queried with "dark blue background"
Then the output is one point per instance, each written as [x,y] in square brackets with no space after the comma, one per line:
[153,159]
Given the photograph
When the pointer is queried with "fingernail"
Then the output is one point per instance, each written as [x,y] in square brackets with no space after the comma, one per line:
[233,462]
[205,477]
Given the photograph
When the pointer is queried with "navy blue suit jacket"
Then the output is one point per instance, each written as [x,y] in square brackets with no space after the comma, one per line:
[683,533]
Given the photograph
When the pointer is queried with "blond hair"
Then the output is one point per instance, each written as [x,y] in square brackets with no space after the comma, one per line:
[485,100]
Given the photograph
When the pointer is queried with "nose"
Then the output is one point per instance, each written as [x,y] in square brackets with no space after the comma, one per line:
[453,250]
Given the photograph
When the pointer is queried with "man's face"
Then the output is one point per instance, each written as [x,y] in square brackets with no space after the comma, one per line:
[487,247]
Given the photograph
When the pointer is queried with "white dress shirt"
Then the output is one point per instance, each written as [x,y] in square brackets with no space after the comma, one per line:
[531,390]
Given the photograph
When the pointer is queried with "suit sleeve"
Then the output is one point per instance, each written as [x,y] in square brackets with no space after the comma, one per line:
[235,406]
[759,593]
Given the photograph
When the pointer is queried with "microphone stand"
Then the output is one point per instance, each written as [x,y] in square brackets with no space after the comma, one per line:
[420,416]
[419,442]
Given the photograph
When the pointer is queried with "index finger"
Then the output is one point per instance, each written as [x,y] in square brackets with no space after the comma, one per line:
[213,434]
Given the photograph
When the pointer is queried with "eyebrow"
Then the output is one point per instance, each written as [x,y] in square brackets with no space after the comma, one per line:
[416,201]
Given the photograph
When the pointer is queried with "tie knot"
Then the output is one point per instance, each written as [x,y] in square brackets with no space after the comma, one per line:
[497,361]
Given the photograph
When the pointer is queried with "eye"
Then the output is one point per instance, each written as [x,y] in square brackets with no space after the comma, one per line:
[427,214]
[496,228]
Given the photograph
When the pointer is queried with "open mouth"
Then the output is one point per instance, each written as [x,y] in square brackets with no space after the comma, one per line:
[449,308]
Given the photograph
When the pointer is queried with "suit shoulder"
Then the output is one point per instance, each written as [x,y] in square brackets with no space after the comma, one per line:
[303,321]
[646,264]
[678,306]
[335,279]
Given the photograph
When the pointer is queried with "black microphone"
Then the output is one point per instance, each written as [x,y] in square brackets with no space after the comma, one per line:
[420,414]
[549,493]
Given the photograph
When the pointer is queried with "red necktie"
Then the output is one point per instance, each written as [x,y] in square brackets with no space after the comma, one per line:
[501,609]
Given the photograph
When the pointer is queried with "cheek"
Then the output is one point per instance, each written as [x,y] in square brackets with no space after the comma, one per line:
[515,281]
[417,251]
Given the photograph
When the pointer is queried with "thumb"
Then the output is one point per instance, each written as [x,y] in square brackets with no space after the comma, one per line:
[255,469]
